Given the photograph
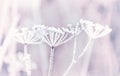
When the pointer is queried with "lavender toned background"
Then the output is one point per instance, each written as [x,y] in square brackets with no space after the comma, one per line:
[104,60]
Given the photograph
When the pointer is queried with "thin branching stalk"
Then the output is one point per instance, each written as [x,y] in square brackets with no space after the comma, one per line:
[54,38]
[73,58]
[89,45]
[27,60]
[25,37]
[85,65]
[62,41]
[51,61]
[75,31]
[86,48]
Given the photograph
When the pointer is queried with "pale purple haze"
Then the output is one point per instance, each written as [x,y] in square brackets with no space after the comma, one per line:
[104,59]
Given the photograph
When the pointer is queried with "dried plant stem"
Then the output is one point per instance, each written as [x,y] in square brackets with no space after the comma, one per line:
[83,52]
[85,49]
[27,61]
[73,58]
[85,65]
[51,62]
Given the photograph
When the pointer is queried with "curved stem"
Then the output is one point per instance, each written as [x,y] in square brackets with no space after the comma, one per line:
[73,58]
[51,61]
[74,51]
[85,65]
[85,49]
[27,60]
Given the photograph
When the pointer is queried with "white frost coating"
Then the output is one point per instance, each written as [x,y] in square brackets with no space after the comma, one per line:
[93,30]
[27,61]
[57,36]
[25,36]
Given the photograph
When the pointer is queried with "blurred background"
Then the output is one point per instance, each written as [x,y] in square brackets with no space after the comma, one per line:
[105,57]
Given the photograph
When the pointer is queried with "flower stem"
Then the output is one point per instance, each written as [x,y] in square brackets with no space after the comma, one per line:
[85,65]
[74,51]
[27,60]
[73,58]
[85,49]
[51,61]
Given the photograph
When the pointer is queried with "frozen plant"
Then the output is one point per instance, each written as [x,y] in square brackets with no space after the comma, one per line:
[54,37]
[58,36]
[74,30]
[93,30]
[25,36]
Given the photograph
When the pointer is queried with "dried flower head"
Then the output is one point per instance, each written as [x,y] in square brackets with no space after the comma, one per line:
[56,36]
[26,36]
[94,30]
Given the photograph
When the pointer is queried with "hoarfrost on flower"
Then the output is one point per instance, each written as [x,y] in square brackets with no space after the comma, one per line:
[26,36]
[95,30]
[56,36]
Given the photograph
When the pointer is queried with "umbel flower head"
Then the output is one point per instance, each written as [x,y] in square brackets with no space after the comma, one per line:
[26,36]
[74,29]
[94,30]
[56,36]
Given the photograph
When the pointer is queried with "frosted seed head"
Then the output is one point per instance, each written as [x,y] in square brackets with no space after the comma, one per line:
[74,29]
[95,30]
[26,36]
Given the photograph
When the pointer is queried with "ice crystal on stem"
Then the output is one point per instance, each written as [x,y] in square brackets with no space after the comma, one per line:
[25,36]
